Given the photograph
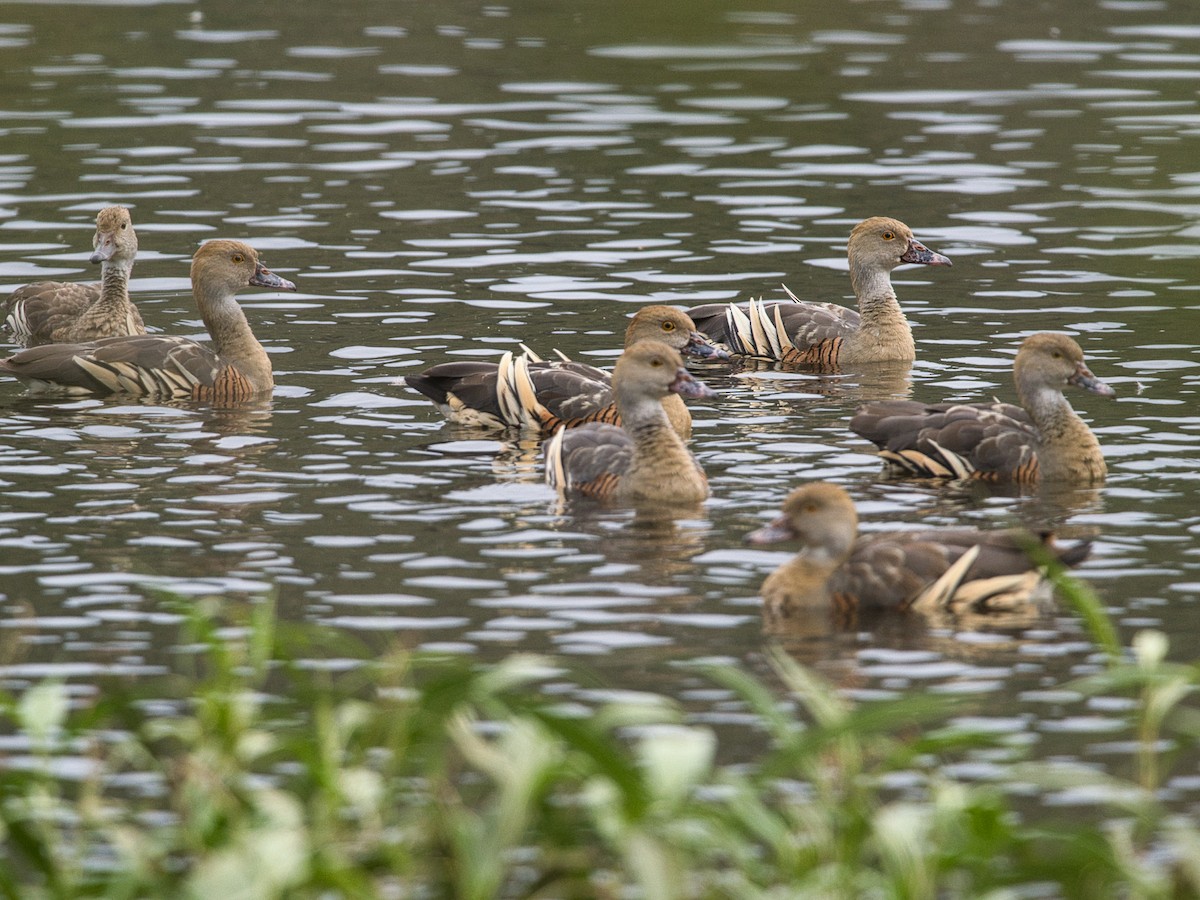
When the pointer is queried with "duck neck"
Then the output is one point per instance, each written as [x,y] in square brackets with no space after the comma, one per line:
[801,581]
[114,286]
[661,464]
[883,324]
[1065,443]
[646,421]
[232,338]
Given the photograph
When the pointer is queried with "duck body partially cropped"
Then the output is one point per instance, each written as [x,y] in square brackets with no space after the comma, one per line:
[1043,439]
[643,460]
[61,312]
[539,395]
[953,570]
[234,367]
[826,335]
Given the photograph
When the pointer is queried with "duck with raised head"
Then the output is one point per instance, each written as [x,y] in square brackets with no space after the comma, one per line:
[60,312]
[234,367]
[950,570]
[643,460]
[825,335]
[530,393]
[1043,439]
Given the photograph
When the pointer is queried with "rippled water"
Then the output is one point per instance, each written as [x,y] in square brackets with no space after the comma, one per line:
[447,181]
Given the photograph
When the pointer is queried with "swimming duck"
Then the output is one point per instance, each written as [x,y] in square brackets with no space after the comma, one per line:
[955,570]
[531,393]
[643,460]
[232,368]
[825,335]
[57,312]
[1043,439]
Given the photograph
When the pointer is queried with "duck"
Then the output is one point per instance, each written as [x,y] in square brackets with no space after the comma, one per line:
[64,312]
[826,336]
[234,367]
[1041,440]
[946,570]
[643,460]
[533,394]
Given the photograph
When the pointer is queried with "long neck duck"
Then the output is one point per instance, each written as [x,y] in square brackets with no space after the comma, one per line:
[954,570]
[643,460]
[1043,439]
[826,336]
[234,368]
[530,393]
[62,312]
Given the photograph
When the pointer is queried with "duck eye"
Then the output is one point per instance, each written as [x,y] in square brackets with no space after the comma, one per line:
[668,326]
[124,226]
[889,235]
[237,258]
[656,362]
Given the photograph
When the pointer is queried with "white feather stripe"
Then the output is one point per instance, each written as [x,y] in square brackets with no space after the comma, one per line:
[190,378]
[182,382]
[785,341]
[506,391]
[531,411]
[738,327]
[1002,593]
[938,596]
[763,331]
[556,477]
[787,290]
[103,374]
[17,323]
[529,352]
[962,468]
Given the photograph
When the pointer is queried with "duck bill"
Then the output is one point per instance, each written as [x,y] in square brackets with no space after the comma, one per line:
[264,277]
[701,347]
[1083,378]
[687,385]
[104,251]
[777,531]
[922,255]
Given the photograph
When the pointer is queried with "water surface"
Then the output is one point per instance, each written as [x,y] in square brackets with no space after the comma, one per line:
[447,181]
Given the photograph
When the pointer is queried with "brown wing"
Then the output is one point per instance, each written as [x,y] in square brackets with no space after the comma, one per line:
[589,460]
[990,441]
[811,332]
[464,391]
[542,395]
[889,571]
[43,312]
[149,365]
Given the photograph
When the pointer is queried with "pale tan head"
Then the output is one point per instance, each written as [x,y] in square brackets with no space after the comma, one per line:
[1054,362]
[649,370]
[820,516]
[226,267]
[115,239]
[674,328]
[882,243]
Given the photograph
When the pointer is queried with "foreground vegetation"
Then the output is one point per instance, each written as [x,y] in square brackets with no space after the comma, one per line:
[246,774]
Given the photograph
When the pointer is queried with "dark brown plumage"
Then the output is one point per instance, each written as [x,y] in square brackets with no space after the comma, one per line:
[643,460]
[233,367]
[825,335]
[1043,439]
[955,570]
[543,396]
[57,312]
